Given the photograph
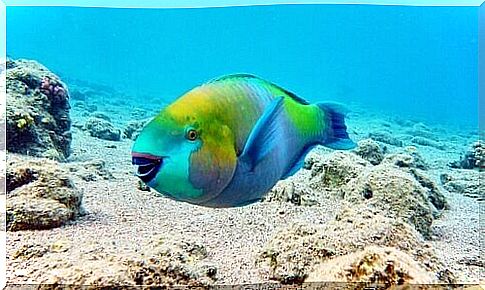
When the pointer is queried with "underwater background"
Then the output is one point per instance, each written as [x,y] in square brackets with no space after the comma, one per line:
[403,207]
[417,62]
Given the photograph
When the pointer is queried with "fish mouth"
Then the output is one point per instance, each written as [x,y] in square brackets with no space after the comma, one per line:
[148,165]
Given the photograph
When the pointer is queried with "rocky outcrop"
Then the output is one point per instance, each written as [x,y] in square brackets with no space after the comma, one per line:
[133,128]
[382,266]
[408,158]
[335,170]
[164,262]
[391,205]
[299,252]
[386,138]
[38,122]
[102,129]
[397,194]
[370,150]
[40,194]
[466,182]
[474,158]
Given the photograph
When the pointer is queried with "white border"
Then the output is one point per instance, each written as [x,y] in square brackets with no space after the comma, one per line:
[160,4]
[3,100]
[229,3]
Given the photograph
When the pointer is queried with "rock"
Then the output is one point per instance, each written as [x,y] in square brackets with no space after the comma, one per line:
[29,251]
[397,194]
[328,174]
[473,158]
[166,262]
[26,213]
[336,169]
[405,193]
[423,131]
[384,266]
[370,150]
[427,142]
[40,194]
[293,253]
[37,111]
[140,185]
[435,196]
[100,115]
[90,170]
[288,257]
[409,158]
[384,137]
[172,263]
[133,128]
[465,182]
[102,129]
[293,192]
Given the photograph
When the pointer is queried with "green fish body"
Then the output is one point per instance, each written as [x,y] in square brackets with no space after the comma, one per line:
[227,142]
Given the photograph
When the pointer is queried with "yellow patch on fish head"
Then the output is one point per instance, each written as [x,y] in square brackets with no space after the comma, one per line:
[198,150]
[212,166]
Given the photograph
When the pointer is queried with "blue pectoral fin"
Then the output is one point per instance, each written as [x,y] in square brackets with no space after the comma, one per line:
[262,138]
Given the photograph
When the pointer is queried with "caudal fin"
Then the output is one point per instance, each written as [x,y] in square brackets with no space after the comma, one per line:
[337,137]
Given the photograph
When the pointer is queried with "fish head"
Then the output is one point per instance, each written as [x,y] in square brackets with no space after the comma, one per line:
[185,155]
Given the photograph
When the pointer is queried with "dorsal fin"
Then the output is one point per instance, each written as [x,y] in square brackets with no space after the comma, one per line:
[234,76]
[250,76]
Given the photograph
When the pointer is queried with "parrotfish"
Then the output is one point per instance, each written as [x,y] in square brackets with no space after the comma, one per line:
[227,142]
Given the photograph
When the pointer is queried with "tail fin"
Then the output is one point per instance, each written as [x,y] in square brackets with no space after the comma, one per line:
[337,137]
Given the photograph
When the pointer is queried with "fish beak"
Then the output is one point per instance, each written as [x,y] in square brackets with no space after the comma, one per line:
[148,165]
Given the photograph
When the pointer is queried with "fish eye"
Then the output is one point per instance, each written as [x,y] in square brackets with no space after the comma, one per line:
[191,134]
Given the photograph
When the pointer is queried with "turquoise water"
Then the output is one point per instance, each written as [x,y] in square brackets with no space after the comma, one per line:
[419,62]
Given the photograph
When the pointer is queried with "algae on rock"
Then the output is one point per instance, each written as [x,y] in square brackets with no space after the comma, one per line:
[38,122]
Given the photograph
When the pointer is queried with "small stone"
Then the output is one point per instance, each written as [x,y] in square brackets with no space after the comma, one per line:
[142,186]
[370,150]
[102,129]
